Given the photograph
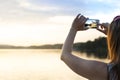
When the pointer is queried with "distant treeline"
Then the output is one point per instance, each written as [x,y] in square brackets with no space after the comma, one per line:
[97,48]
[55,46]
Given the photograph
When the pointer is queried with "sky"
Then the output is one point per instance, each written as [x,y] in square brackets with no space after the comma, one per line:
[38,22]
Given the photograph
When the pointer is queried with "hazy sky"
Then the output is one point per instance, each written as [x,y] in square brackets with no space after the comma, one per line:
[35,22]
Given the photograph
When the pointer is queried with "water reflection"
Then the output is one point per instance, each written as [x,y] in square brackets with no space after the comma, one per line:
[34,65]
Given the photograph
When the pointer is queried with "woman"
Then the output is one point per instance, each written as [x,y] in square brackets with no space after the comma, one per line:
[90,69]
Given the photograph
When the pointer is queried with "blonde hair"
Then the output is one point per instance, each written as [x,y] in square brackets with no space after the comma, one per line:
[113,40]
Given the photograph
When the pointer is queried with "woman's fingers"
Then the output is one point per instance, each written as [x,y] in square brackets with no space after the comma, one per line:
[103,28]
[77,17]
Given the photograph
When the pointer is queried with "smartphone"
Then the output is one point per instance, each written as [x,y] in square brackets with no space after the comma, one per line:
[92,23]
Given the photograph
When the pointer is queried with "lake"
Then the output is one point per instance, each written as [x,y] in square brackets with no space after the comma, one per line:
[34,64]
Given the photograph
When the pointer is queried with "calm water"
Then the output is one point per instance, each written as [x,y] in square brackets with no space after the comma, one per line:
[34,65]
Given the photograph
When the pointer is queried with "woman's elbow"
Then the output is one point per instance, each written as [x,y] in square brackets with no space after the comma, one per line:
[62,57]
[65,56]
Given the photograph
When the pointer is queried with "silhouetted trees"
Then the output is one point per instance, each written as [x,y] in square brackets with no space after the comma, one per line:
[55,46]
[98,47]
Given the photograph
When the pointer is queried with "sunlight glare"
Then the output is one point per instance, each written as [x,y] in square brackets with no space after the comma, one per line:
[30,34]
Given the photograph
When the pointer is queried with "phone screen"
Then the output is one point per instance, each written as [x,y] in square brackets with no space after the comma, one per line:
[92,23]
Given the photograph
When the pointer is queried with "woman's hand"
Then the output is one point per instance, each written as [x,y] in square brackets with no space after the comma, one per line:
[79,23]
[103,28]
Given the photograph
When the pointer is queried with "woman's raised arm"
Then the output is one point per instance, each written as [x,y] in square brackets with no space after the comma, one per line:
[92,70]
